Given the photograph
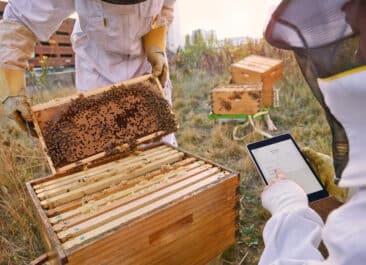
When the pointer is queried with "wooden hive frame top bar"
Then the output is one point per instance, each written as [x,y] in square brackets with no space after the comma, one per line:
[257,63]
[91,125]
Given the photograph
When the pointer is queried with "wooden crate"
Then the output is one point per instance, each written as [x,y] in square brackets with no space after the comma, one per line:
[258,69]
[121,203]
[237,99]
[159,205]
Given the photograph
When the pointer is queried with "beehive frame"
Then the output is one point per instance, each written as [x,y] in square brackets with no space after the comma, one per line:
[79,129]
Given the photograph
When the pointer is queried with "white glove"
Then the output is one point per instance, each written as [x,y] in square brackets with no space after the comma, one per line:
[18,105]
[284,195]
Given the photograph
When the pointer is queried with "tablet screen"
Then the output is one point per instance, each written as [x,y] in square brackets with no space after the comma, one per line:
[281,152]
[284,155]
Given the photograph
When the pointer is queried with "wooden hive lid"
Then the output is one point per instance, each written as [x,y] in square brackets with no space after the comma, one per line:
[257,63]
[95,124]
[244,87]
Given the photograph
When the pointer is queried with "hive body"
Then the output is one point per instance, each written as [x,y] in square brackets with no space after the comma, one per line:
[256,68]
[237,99]
[159,205]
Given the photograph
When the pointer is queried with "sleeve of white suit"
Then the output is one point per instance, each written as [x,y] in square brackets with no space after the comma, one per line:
[167,11]
[25,21]
[293,233]
[169,3]
[42,17]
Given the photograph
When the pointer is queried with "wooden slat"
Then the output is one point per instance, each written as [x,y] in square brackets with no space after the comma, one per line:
[65,50]
[60,101]
[121,168]
[121,148]
[133,206]
[61,38]
[147,189]
[105,169]
[52,244]
[144,210]
[98,163]
[96,170]
[94,187]
[43,49]
[59,211]
[67,26]
[117,192]
[114,193]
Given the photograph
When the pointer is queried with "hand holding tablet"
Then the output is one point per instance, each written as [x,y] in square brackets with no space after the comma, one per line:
[281,152]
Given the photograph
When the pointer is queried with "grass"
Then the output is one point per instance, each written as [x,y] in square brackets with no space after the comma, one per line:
[19,236]
[21,159]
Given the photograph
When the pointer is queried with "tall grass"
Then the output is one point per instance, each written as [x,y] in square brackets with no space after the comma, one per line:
[21,160]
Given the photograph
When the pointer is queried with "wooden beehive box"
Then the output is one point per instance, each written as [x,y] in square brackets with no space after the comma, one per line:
[237,99]
[155,205]
[258,69]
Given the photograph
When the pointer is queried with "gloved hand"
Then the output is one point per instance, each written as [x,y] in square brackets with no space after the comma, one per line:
[17,45]
[154,45]
[15,103]
[323,166]
[283,195]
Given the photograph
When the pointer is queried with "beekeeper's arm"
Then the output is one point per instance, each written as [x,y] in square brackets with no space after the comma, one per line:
[293,233]
[24,21]
[155,41]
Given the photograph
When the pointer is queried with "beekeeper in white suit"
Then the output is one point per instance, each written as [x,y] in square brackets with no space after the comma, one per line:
[113,40]
[313,28]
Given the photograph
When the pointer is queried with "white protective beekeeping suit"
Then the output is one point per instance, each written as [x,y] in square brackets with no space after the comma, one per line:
[317,28]
[107,38]
[294,232]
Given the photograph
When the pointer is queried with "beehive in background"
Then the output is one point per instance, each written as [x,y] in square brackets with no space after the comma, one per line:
[237,99]
[106,204]
[256,68]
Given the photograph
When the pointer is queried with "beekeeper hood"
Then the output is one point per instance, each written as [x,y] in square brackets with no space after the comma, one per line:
[326,48]
[124,2]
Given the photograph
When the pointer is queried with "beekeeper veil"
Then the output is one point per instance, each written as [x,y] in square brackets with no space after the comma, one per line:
[124,2]
[324,45]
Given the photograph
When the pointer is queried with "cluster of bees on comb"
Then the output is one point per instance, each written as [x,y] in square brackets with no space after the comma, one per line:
[102,122]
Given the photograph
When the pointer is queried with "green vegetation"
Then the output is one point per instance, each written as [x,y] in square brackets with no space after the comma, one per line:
[197,70]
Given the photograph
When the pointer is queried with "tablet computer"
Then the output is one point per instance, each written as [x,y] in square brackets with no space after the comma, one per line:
[282,152]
